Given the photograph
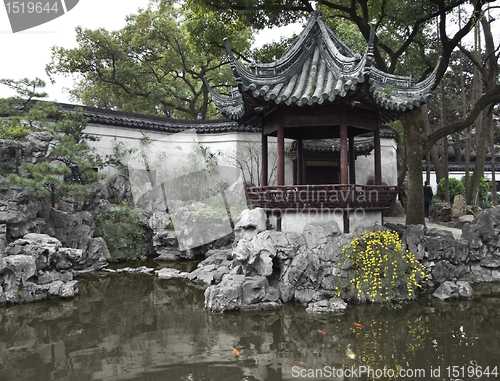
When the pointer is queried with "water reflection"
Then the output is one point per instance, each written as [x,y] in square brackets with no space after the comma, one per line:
[137,327]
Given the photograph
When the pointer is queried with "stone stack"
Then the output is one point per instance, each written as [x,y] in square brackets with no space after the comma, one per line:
[38,267]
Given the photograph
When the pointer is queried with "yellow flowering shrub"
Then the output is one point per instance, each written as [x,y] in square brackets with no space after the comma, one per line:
[379,269]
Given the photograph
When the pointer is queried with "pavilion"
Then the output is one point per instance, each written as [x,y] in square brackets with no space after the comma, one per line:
[320,89]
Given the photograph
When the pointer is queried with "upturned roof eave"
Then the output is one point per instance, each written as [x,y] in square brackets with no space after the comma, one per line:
[288,79]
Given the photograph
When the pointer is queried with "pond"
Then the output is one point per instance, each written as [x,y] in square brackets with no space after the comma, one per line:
[139,327]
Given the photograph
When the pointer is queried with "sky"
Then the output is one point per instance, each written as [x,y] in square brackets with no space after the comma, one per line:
[25,53]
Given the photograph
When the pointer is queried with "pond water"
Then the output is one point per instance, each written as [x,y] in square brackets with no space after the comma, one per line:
[139,327]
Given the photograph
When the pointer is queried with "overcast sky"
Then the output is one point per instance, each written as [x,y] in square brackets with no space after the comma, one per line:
[25,54]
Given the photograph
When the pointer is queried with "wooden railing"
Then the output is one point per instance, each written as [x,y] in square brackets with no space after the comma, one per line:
[323,197]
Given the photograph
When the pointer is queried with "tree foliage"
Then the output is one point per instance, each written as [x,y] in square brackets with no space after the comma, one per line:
[154,65]
[70,163]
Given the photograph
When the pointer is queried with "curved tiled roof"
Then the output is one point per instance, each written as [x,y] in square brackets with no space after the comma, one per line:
[320,68]
[161,124]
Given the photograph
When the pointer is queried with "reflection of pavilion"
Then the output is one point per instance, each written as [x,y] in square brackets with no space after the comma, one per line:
[320,89]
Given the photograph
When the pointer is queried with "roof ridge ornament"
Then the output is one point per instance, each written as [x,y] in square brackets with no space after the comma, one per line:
[229,51]
[370,50]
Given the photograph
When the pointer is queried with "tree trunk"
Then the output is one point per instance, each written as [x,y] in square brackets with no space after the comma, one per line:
[428,168]
[438,168]
[483,136]
[480,131]
[445,149]
[457,148]
[494,196]
[413,125]
[445,166]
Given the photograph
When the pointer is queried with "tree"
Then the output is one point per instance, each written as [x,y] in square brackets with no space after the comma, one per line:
[488,78]
[405,42]
[154,65]
[71,162]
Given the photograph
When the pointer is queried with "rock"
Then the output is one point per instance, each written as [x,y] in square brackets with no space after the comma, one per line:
[396,210]
[3,239]
[36,145]
[212,269]
[443,271]
[287,245]
[263,306]
[204,274]
[70,204]
[137,270]
[465,290]
[95,256]
[240,292]
[15,205]
[440,211]
[72,229]
[462,220]
[254,290]
[255,256]
[447,290]
[164,238]
[59,289]
[414,240]
[324,239]
[307,296]
[160,221]
[249,223]
[453,290]
[15,271]
[334,305]
[459,208]
[119,188]
[225,296]
[52,276]
[491,262]
[169,273]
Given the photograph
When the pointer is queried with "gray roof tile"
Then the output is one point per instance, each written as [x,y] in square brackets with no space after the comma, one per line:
[319,67]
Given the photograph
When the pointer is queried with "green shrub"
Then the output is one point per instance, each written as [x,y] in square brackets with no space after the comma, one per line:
[123,232]
[13,132]
[8,162]
[484,189]
[379,270]
[456,187]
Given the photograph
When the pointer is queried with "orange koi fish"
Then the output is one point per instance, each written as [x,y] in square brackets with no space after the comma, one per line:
[359,325]
[322,332]
[236,352]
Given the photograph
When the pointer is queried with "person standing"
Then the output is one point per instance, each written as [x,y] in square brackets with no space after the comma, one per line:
[427,198]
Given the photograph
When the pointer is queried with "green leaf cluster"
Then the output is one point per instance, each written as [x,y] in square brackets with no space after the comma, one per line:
[123,232]
[456,187]
[484,188]
[70,163]
[13,132]
[155,64]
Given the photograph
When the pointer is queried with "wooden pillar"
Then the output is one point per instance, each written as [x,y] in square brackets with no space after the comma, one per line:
[344,174]
[344,169]
[281,166]
[281,154]
[352,161]
[378,163]
[300,162]
[264,169]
